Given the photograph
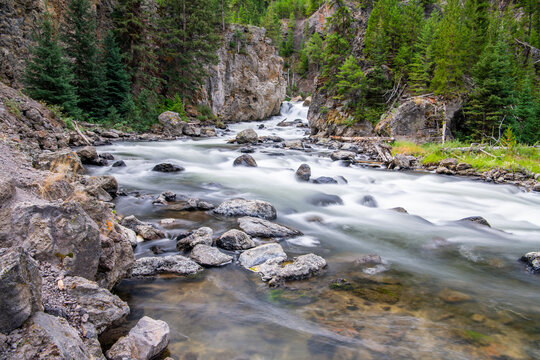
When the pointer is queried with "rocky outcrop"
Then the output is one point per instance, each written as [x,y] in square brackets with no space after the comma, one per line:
[247,84]
[145,340]
[20,288]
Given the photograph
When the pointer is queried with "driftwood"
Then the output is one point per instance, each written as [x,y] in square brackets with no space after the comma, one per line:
[80,133]
[384,153]
[363,138]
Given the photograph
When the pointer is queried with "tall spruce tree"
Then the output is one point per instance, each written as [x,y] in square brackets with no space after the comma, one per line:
[421,67]
[48,77]
[79,32]
[117,84]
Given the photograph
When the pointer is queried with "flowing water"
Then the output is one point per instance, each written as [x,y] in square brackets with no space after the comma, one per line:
[445,289]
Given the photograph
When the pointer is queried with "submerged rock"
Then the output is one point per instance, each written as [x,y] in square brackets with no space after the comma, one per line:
[266,229]
[200,236]
[476,219]
[399,209]
[245,160]
[102,307]
[342,155]
[325,180]
[303,173]
[20,288]
[322,199]
[172,264]
[453,296]
[532,260]
[145,340]
[247,136]
[166,168]
[302,267]
[242,207]
[261,254]
[368,201]
[235,240]
[119,163]
[209,256]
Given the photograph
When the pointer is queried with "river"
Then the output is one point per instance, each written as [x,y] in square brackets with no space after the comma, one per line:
[445,289]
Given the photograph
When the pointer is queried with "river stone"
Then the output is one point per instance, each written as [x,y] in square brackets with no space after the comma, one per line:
[261,254]
[302,267]
[20,288]
[88,155]
[404,161]
[532,260]
[322,199]
[192,129]
[342,155]
[145,340]
[61,234]
[265,229]
[449,163]
[242,207]
[294,144]
[463,166]
[453,296]
[399,209]
[209,256]
[102,307]
[171,122]
[107,156]
[245,160]
[128,234]
[325,180]
[131,222]
[247,136]
[105,182]
[247,150]
[475,219]
[50,337]
[167,168]
[149,232]
[368,201]
[200,236]
[171,264]
[7,189]
[303,173]
[119,163]
[235,240]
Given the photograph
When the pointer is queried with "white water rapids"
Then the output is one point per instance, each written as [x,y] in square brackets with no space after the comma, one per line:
[476,260]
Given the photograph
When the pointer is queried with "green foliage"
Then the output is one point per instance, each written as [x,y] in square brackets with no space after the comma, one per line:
[271,23]
[117,85]
[47,75]
[12,107]
[287,47]
[526,113]
[176,104]
[205,112]
[351,81]
[421,67]
[314,50]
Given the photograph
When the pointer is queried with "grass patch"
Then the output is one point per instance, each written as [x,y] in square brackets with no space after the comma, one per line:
[515,158]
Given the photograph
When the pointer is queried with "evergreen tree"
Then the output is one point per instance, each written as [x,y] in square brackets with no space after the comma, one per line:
[526,114]
[314,50]
[351,81]
[421,68]
[117,90]
[271,23]
[81,44]
[48,76]
[287,49]
[492,95]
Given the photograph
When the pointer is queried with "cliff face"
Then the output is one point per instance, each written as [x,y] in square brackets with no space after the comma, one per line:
[19,19]
[247,84]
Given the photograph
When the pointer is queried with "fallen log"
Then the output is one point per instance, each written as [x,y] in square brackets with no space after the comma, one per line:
[363,138]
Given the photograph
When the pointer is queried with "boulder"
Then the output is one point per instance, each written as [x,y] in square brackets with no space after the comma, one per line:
[242,207]
[235,240]
[164,198]
[191,204]
[209,256]
[171,264]
[450,163]
[463,166]
[102,307]
[265,229]
[261,254]
[20,288]
[129,234]
[149,232]
[171,123]
[325,180]
[117,259]
[294,145]
[61,234]
[303,173]
[368,201]
[119,163]
[192,129]
[167,168]
[302,267]
[63,161]
[106,182]
[532,260]
[107,156]
[247,136]
[88,155]
[404,161]
[322,199]
[50,337]
[145,341]
[200,236]
[58,189]
[247,150]
[342,155]
[245,160]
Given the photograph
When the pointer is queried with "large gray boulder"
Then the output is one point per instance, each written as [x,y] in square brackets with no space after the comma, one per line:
[102,307]
[302,267]
[245,160]
[242,207]
[49,337]
[209,256]
[171,123]
[265,229]
[235,240]
[200,236]
[261,254]
[172,264]
[59,233]
[145,340]
[117,258]
[20,288]
[247,136]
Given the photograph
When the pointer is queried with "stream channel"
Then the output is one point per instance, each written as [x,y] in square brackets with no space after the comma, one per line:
[445,289]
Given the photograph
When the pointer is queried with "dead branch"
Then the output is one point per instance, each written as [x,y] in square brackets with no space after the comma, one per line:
[80,133]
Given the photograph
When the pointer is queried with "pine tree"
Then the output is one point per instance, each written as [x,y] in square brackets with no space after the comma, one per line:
[287,48]
[47,76]
[271,23]
[351,81]
[421,68]
[492,96]
[117,90]
[526,113]
[79,31]
[314,50]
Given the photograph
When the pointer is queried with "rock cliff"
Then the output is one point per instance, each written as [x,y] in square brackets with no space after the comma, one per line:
[247,83]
